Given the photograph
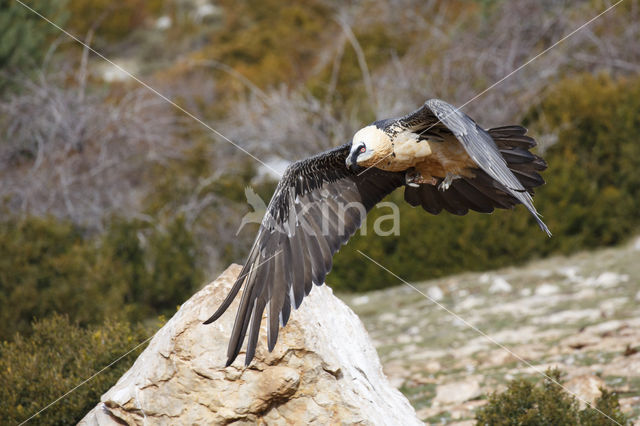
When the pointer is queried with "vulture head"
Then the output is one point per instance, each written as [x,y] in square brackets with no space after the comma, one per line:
[369,145]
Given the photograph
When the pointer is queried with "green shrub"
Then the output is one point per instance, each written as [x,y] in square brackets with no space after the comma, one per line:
[132,271]
[58,356]
[112,22]
[46,266]
[524,403]
[24,34]
[263,39]
[592,196]
[266,41]
[152,278]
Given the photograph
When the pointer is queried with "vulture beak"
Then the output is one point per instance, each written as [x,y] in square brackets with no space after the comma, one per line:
[351,161]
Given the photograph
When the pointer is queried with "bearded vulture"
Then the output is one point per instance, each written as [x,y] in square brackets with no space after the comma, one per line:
[440,155]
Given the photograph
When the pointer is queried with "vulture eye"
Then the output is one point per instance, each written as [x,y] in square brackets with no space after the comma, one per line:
[363,149]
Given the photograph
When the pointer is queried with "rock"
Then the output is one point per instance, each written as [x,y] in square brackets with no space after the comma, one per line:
[323,370]
[568,317]
[586,388]
[525,292]
[361,300]
[606,279]
[464,423]
[397,373]
[432,366]
[546,289]
[453,393]
[435,293]
[500,285]
[570,272]
[610,279]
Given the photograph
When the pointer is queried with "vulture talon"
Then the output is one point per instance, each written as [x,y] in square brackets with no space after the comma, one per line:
[448,180]
[413,177]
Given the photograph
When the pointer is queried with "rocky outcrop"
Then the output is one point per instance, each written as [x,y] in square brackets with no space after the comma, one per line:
[324,370]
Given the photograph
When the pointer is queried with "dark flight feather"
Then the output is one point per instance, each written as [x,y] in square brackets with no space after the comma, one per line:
[291,236]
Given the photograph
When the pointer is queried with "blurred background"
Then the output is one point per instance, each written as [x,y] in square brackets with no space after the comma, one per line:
[115,206]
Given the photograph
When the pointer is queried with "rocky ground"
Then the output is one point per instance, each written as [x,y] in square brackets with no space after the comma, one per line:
[579,313]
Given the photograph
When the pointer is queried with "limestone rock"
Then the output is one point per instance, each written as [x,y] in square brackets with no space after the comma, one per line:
[324,370]
[500,285]
[457,392]
[586,388]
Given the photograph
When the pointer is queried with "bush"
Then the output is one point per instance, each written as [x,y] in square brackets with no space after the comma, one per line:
[592,196]
[58,356]
[524,403]
[24,34]
[268,42]
[45,267]
[132,272]
[155,270]
[112,22]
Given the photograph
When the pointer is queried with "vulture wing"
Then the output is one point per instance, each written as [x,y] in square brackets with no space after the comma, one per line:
[317,206]
[508,172]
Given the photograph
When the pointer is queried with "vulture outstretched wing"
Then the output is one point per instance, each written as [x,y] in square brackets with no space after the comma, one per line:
[317,206]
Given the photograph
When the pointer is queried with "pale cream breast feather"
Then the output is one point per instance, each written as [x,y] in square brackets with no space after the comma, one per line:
[399,153]
[408,148]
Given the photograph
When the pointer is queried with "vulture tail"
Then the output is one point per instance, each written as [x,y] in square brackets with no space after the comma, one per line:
[514,146]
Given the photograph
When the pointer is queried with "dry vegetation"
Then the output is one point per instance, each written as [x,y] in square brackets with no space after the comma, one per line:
[81,155]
